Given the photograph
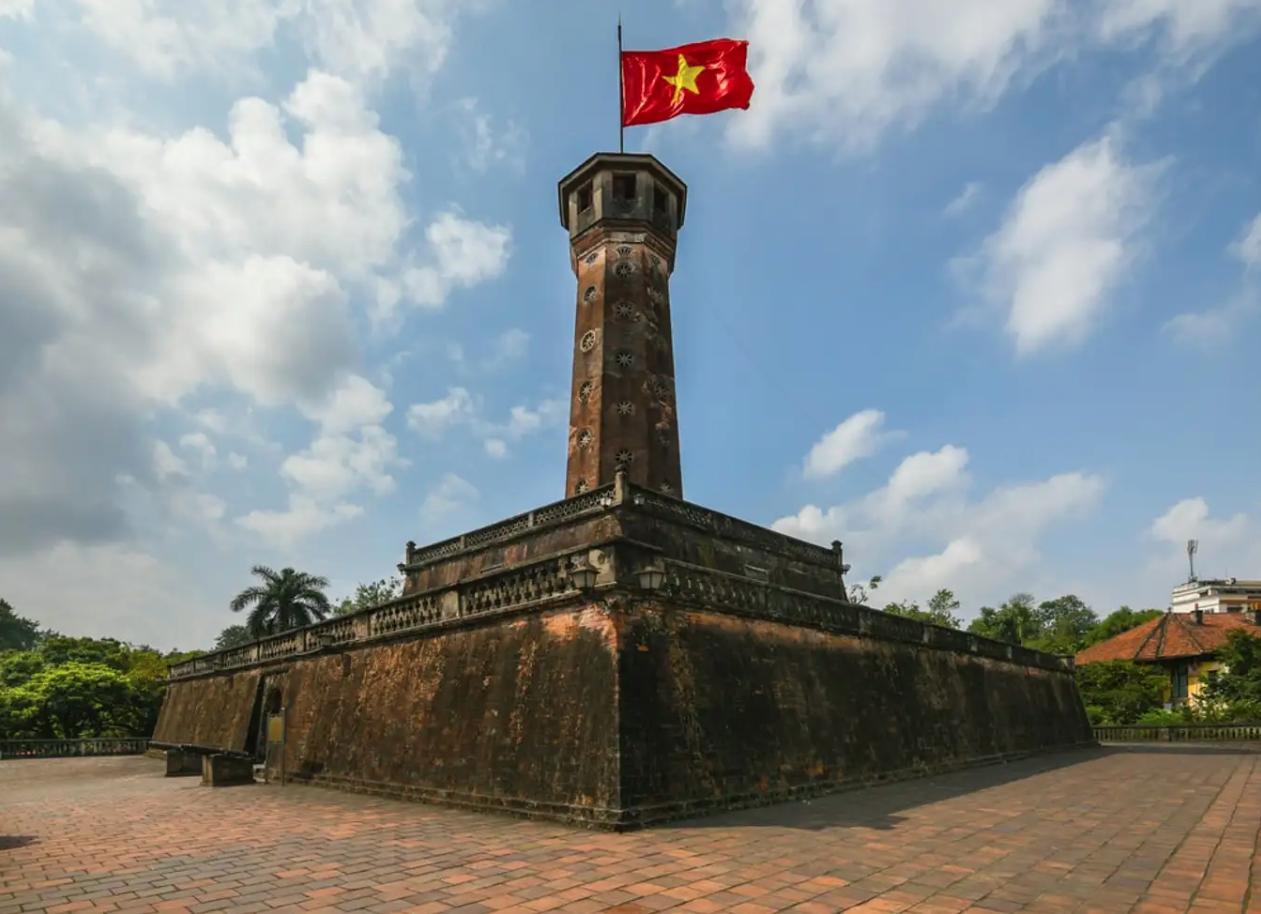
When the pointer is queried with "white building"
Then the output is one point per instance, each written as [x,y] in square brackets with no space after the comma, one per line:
[1218,595]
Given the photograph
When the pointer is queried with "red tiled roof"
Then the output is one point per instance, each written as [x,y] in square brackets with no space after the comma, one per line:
[1171,635]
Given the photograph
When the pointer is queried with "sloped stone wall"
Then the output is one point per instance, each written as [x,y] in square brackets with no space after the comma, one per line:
[629,711]
[718,710]
[213,712]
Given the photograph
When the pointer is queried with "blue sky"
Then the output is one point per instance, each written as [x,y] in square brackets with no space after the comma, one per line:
[971,287]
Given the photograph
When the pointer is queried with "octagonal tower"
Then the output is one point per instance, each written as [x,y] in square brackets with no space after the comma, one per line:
[623,213]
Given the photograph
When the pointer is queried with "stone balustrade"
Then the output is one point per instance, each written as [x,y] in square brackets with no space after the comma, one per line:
[536,583]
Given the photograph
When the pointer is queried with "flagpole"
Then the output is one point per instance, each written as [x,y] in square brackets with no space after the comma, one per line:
[621,129]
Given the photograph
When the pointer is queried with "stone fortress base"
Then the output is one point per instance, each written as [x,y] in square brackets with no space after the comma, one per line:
[617,659]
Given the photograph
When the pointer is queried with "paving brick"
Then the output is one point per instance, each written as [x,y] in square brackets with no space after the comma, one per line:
[1161,830]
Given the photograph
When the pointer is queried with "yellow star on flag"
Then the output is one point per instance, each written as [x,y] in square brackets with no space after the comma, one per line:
[684,79]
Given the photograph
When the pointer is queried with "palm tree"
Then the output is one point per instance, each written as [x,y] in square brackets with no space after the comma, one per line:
[283,601]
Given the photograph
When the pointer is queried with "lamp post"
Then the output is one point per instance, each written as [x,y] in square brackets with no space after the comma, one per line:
[651,577]
[582,576]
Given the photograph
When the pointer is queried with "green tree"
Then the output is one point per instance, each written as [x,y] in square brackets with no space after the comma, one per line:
[1064,623]
[859,593]
[110,652]
[1121,691]
[940,610]
[76,699]
[17,667]
[1120,620]
[371,594]
[1240,680]
[17,633]
[232,636]
[1015,622]
[290,599]
[943,607]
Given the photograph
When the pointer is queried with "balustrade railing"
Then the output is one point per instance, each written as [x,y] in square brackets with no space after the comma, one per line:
[1183,733]
[62,748]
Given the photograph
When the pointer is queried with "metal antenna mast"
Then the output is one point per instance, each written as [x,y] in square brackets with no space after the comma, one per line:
[1193,546]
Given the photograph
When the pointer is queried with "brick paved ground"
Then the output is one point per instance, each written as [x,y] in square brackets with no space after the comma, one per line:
[1143,830]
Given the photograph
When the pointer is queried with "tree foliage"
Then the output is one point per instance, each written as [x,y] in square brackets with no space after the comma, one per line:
[1063,625]
[1121,620]
[1240,680]
[232,636]
[290,599]
[17,633]
[82,687]
[369,595]
[859,593]
[941,610]
[1015,622]
[1120,691]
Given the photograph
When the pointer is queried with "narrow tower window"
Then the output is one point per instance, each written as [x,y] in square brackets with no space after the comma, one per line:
[624,188]
[660,200]
[583,197]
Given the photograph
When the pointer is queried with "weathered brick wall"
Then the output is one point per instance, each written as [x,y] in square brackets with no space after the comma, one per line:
[514,713]
[517,713]
[637,710]
[717,709]
[214,712]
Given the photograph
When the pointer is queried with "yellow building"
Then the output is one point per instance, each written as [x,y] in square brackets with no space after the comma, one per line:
[1184,643]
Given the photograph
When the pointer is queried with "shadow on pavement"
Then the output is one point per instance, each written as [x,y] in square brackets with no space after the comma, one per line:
[9,842]
[877,805]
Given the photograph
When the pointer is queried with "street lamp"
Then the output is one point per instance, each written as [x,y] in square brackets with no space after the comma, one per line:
[652,577]
[582,576]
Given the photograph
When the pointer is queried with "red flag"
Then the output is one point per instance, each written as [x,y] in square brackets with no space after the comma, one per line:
[696,78]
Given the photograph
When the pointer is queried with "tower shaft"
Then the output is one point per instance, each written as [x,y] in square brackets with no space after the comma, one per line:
[623,213]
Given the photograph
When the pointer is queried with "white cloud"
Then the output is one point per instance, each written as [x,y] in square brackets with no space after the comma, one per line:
[922,530]
[1216,326]
[1185,27]
[523,420]
[166,464]
[435,418]
[508,347]
[335,465]
[354,402]
[304,517]
[447,500]
[16,9]
[848,70]
[856,437]
[1248,247]
[486,145]
[964,200]
[360,40]
[1228,545]
[1067,241]
[198,507]
[130,592]
[200,443]
[237,461]
[460,408]
[1190,519]
[138,269]
[465,253]
[212,419]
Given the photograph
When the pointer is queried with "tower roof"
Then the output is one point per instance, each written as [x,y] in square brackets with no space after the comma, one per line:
[625,161]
